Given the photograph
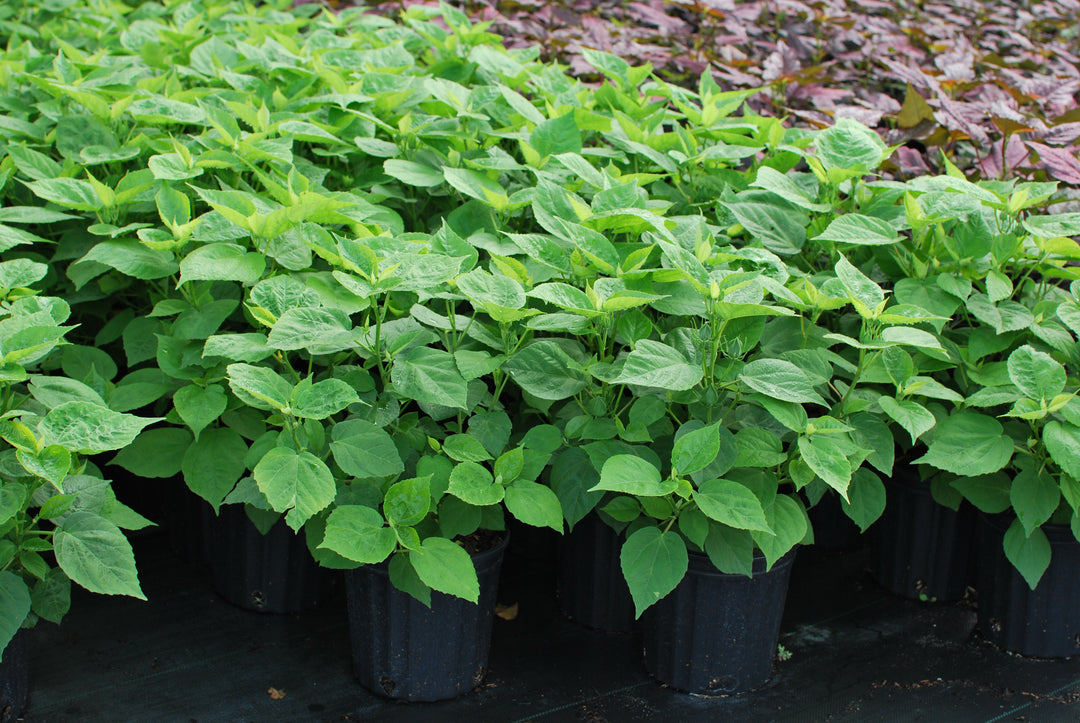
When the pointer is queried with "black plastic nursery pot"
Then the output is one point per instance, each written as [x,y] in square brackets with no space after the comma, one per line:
[592,589]
[716,633]
[272,573]
[189,522]
[1044,622]
[404,650]
[923,550]
[14,677]
[833,529]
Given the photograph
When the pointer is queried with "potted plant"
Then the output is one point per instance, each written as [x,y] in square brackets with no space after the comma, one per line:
[1005,446]
[425,462]
[59,519]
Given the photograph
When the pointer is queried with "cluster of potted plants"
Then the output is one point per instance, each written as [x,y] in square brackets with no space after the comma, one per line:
[379,284]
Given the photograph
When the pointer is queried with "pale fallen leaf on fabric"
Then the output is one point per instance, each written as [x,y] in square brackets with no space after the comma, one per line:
[507,612]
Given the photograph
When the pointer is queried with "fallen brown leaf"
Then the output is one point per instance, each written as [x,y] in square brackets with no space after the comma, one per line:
[507,612]
[275,694]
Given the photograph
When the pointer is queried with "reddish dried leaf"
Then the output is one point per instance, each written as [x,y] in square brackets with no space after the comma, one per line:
[782,63]
[1061,163]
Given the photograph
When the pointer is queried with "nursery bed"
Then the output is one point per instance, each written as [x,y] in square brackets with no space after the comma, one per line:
[857,654]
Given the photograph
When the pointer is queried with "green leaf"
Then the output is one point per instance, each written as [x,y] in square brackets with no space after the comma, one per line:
[56,506]
[610,65]
[54,390]
[1003,316]
[998,286]
[492,430]
[872,433]
[357,533]
[362,449]
[849,145]
[413,174]
[989,493]
[859,230]
[132,258]
[757,447]
[1062,441]
[464,448]
[696,450]
[67,192]
[155,453]
[912,416]
[519,462]
[52,463]
[476,185]
[731,503]
[780,379]
[688,263]
[1036,374]
[866,498]
[572,476]
[480,286]
[222,262]
[1053,225]
[534,504]
[94,553]
[623,509]
[33,164]
[787,519]
[12,499]
[295,481]
[10,237]
[323,399]
[199,406]
[159,110]
[248,347]
[84,362]
[546,371]
[633,475]
[693,523]
[653,563]
[88,428]
[1029,554]
[1034,496]
[968,444]
[14,606]
[430,376]
[214,463]
[320,331]
[654,364]
[558,135]
[172,167]
[457,517]
[730,551]
[202,322]
[259,387]
[542,249]
[772,180]
[473,483]
[1069,312]
[781,228]
[51,597]
[403,576]
[864,293]
[407,503]
[826,458]
[446,567]
[21,272]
